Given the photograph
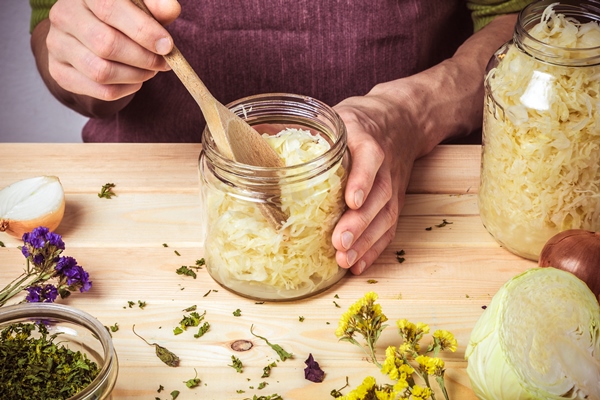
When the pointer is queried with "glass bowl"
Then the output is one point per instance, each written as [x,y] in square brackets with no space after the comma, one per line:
[78,331]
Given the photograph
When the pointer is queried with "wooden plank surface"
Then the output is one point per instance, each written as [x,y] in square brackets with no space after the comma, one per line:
[449,272]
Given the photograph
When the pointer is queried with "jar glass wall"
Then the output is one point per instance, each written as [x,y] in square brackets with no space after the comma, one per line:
[242,251]
[540,169]
[79,332]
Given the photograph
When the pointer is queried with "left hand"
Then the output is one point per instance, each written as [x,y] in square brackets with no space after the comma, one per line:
[382,158]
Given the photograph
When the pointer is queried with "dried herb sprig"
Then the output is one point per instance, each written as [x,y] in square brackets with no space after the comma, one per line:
[194,382]
[236,364]
[162,353]
[47,274]
[33,362]
[106,192]
[283,355]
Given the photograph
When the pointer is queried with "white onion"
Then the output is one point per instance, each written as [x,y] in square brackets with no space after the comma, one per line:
[32,202]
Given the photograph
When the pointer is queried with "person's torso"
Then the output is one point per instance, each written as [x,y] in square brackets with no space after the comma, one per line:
[327,49]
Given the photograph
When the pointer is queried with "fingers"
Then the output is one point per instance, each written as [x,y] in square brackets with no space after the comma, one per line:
[362,235]
[367,158]
[107,48]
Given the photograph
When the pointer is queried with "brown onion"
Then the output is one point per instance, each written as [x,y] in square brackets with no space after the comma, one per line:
[576,251]
[32,202]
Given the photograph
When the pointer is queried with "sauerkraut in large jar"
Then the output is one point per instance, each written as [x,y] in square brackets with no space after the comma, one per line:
[541,138]
[242,250]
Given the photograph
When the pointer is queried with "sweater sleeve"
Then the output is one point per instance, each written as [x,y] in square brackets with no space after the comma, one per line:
[40,9]
[484,11]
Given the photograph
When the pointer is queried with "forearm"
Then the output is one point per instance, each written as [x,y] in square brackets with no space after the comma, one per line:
[446,100]
[84,105]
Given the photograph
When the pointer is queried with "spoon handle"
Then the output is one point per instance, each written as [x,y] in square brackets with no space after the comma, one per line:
[234,138]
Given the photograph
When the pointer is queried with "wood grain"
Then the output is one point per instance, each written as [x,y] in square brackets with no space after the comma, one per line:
[449,272]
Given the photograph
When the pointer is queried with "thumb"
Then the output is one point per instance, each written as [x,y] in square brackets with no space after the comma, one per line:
[164,11]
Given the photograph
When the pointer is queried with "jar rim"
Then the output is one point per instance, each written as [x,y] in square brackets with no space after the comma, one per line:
[246,107]
[533,13]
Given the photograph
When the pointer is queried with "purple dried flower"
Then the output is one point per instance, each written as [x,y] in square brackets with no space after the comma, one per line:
[76,276]
[40,236]
[313,372]
[42,294]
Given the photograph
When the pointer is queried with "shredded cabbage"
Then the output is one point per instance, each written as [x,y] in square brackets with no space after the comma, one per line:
[541,151]
[245,254]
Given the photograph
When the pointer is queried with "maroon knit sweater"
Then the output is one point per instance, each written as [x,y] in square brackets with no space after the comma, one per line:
[327,49]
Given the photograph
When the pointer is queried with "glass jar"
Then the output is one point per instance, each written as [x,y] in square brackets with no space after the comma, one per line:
[540,170]
[242,251]
[78,331]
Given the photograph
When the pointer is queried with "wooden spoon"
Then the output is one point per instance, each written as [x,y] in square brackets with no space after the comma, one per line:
[235,139]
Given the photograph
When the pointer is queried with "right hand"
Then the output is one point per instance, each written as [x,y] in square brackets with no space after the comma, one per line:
[106,49]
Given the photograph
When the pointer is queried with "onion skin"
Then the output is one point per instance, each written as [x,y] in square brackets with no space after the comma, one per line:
[576,251]
[18,228]
[30,203]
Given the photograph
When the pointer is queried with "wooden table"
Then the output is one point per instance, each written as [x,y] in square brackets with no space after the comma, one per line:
[449,272]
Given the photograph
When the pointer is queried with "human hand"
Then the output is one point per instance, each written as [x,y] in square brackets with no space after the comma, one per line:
[382,157]
[106,49]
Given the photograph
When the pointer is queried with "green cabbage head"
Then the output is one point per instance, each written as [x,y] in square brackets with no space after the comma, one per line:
[538,339]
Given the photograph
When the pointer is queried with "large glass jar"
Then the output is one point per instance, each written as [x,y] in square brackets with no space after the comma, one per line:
[540,171]
[242,251]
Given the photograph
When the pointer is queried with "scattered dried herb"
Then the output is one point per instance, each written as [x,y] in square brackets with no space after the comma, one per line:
[274,396]
[313,371]
[31,364]
[141,304]
[160,388]
[195,381]
[192,319]
[107,191]
[203,329]
[115,327]
[162,353]
[200,263]
[267,370]
[2,244]
[337,392]
[262,385]
[237,313]
[236,364]
[283,355]
[301,318]
[336,304]
[428,228]
[176,253]
[165,245]
[174,394]
[371,281]
[190,309]
[399,255]
[187,271]
[444,223]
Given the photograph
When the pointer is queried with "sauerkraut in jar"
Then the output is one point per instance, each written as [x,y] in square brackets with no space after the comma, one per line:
[541,139]
[242,250]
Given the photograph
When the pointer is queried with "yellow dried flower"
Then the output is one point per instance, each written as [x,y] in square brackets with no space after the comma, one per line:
[420,393]
[430,365]
[362,390]
[445,339]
